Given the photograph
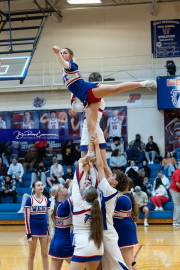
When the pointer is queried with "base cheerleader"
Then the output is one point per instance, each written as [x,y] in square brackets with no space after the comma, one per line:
[36,208]
[125,215]
[60,247]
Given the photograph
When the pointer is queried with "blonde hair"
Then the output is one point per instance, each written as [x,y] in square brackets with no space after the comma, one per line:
[135,209]
[54,193]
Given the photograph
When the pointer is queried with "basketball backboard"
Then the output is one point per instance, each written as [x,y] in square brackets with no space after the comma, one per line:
[14,68]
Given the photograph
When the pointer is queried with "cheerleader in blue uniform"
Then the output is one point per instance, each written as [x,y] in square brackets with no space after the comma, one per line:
[90,94]
[36,208]
[60,247]
[125,215]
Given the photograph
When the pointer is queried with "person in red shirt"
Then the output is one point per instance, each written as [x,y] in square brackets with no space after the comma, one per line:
[175,193]
[176,149]
[41,148]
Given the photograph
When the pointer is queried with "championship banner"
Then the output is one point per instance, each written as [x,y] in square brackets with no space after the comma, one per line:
[168,91]
[58,126]
[165,38]
[171,127]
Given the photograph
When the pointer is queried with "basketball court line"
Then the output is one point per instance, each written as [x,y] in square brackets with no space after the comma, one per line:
[137,252]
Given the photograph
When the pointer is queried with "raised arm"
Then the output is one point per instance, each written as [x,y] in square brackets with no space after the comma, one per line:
[42,120]
[74,106]
[62,62]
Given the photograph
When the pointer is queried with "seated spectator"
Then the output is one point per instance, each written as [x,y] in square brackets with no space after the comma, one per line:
[146,168]
[69,174]
[49,156]
[117,145]
[41,149]
[163,178]
[159,195]
[76,155]
[148,185]
[56,173]
[142,200]
[136,148]
[29,159]
[131,171]
[39,173]
[16,170]
[175,193]
[152,150]
[8,188]
[14,148]
[176,149]
[3,170]
[140,179]
[118,161]
[67,150]
[169,163]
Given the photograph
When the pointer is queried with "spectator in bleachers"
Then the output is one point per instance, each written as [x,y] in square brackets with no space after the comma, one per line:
[136,148]
[29,159]
[142,200]
[131,171]
[76,155]
[8,188]
[118,161]
[16,170]
[152,150]
[116,145]
[50,155]
[159,195]
[175,193]
[2,150]
[39,173]
[140,179]
[176,149]
[169,163]
[146,168]
[163,178]
[69,174]
[56,171]
[41,149]
[3,170]
[67,150]
[148,185]
[12,150]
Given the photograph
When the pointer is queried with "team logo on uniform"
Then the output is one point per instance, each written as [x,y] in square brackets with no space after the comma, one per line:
[175,97]
[86,218]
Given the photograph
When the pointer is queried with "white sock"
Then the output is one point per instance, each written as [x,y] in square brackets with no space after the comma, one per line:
[145,220]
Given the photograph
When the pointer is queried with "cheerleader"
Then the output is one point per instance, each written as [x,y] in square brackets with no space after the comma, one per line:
[109,195]
[36,208]
[88,226]
[90,94]
[60,247]
[125,215]
[85,135]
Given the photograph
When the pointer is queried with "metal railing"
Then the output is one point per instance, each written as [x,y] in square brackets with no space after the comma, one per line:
[116,69]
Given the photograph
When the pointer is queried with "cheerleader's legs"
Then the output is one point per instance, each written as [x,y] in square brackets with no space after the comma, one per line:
[32,251]
[44,252]
[104,90]
[82,266]
[128,256]
[57,263]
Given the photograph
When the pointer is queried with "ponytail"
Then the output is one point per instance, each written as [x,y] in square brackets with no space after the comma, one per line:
[96,231]
[54,194]
[135,209]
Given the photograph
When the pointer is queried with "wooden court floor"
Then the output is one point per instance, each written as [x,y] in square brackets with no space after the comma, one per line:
[159,248]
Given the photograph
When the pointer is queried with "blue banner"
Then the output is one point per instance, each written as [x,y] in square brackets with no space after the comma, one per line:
[165,38]
[168,91]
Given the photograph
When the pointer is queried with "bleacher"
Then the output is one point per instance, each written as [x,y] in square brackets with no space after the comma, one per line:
[8,209]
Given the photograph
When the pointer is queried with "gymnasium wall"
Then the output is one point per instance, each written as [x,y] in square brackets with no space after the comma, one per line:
[123,31]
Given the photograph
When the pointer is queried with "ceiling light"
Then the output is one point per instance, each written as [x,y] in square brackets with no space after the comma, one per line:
[84,2]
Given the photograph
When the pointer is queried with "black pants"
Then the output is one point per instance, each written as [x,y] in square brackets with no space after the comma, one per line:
[12,194]
[121,169]
[132,173]
[41,153]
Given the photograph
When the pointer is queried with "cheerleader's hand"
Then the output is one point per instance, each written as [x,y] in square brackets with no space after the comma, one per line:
[56,49]
[30,241]
[94,140]
[50,237]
